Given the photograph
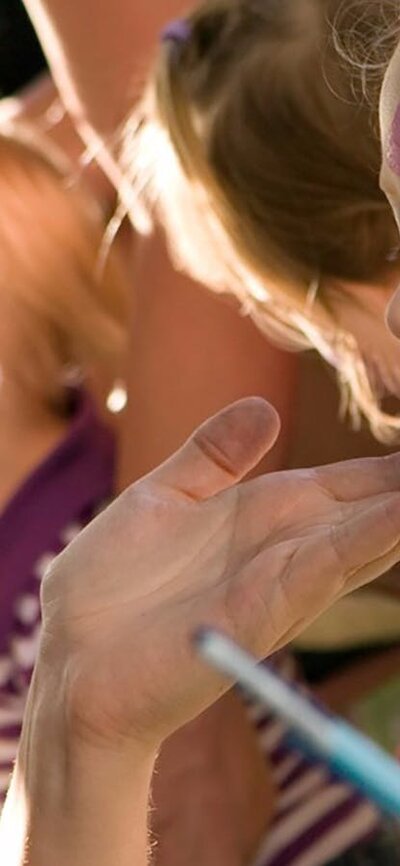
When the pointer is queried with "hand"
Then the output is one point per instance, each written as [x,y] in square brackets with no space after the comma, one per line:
[188,546]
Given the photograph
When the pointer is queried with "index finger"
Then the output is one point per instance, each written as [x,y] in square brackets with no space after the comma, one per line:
[359,479]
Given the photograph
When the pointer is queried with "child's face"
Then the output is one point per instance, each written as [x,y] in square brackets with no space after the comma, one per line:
[365,311]
[390,174]
[361,311]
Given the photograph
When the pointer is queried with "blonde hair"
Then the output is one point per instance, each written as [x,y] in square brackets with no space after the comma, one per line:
[70,313]
[250,147]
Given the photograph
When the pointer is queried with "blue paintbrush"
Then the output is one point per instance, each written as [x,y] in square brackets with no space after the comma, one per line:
[348,752]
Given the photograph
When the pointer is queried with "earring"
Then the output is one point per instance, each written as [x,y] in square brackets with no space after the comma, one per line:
[117,398]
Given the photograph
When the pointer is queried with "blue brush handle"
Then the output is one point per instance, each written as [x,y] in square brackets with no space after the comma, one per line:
[369,767]
[349,753]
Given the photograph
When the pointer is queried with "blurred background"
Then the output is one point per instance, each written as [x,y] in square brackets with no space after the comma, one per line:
[21,58]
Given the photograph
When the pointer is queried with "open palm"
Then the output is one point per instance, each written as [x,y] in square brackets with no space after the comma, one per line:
[189,546]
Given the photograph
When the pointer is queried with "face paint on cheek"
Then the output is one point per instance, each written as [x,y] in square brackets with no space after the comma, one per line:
[393,146]
[393,314]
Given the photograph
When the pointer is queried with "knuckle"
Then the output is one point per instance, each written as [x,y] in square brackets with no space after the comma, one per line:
[212,451]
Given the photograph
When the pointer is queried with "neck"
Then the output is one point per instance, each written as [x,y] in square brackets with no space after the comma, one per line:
[21,408]
[29,430]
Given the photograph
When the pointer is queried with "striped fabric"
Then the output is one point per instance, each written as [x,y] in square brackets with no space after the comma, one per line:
[318,817]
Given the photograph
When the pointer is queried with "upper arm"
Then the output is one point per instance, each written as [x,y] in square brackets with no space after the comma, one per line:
[191,354]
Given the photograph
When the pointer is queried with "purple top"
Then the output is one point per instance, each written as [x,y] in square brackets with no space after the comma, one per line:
[65,489]
[55,502]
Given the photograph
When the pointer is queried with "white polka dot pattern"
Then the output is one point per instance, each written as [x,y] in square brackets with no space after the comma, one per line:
[16,667]
[27,609]
[71,532]
[43,564]
[24,649]
[5,669]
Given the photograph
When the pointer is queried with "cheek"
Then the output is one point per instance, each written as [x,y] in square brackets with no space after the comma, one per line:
[362,314]
[393,145]
[393,314]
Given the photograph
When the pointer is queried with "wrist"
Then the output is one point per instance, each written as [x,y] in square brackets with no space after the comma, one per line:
[84,802]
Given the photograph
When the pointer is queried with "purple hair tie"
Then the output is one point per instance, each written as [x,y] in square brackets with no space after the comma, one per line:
[176,31]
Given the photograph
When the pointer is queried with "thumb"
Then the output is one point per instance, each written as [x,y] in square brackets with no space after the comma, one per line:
[222,451]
